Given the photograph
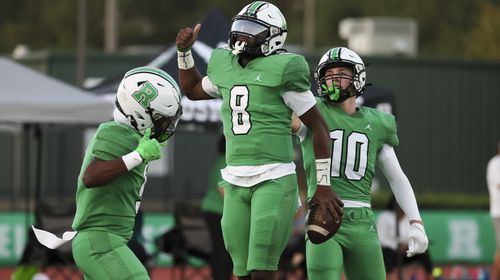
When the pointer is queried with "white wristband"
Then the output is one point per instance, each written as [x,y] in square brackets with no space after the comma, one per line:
[185,60]
[301,132]
[132,160]
[323,166]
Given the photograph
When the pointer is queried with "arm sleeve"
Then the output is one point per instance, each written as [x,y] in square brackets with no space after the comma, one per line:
[299,102]
[209,87]
[296,75]
[400,185]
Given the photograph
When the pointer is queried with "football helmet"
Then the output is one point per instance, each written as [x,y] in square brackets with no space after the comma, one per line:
[340,57]
[264,26]
[149,98]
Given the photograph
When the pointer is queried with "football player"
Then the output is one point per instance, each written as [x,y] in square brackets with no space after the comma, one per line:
[360,137]
[260,85]
[113,173]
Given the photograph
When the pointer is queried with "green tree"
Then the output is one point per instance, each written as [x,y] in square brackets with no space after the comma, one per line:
[483,40]
[458,28]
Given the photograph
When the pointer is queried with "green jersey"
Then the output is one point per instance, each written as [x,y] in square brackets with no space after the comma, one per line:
[111,207]
[256,120]
[356,141]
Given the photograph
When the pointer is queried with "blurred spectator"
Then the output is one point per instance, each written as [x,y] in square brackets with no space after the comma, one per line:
[493,179]
[212,206]
[394,242]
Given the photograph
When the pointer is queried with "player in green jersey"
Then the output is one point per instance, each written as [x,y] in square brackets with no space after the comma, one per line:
[260,85]
[360,137]
[113,173]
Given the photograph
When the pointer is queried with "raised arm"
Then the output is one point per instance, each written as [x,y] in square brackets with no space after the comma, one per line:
[190,79]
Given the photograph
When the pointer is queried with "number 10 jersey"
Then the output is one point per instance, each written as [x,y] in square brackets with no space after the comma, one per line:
[356,141]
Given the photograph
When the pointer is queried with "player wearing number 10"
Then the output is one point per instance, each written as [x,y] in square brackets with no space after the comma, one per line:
[361,137]
[260,85]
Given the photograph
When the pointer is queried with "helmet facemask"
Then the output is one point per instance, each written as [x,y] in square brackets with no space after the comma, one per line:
[263,28]
[256,36]
[163,126]
[329,87]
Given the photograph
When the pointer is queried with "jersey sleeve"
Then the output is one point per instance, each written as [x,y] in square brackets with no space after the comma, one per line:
[209,87]
[392,131]
[296,75]
[299,102]
[114,142]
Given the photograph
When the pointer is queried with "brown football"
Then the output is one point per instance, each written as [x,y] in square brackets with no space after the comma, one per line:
[318,229]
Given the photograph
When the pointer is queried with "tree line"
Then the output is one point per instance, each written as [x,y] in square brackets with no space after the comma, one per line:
[464,29]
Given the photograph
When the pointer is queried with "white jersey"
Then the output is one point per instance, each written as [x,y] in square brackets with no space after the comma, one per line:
[386,227]
[493,180]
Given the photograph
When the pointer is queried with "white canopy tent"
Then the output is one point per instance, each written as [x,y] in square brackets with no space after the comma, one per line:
[28,96]
[31,102]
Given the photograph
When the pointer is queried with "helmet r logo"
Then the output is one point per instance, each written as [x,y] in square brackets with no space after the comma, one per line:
[145,94]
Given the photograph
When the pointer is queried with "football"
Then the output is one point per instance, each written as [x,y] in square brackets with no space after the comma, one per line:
[318,229]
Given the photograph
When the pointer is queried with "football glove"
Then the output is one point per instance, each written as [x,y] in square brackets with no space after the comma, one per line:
[418,241]
[148,148]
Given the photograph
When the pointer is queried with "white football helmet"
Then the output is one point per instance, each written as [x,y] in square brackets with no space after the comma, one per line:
[263,24]
[149,98]
[341,57]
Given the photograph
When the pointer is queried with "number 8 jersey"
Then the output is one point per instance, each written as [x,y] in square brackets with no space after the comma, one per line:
[356,141]
[255,113]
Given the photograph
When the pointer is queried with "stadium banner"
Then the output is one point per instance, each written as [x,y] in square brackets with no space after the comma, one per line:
[460,236]
[13,236]
[455,236]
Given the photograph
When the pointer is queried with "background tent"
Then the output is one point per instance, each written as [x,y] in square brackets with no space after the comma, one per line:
[28,96]
[41,142]
[41,121]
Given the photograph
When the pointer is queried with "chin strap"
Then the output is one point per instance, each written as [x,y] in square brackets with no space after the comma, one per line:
[238,47]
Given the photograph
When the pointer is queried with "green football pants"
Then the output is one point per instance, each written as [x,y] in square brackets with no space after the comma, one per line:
[102,255]
[354,248]
[257,222]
